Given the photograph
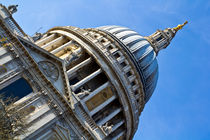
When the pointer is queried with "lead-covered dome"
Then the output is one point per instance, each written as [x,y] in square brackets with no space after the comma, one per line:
[142,53]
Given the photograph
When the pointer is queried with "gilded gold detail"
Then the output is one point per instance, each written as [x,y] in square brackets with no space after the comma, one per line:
[180,26]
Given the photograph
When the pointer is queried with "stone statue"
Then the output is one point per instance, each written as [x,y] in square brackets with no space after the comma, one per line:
[12,8]
[107,128]
[73,56]
[83,93]
[37,36]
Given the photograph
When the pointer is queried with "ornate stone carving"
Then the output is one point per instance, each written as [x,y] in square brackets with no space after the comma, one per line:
[49,69]
[107,128]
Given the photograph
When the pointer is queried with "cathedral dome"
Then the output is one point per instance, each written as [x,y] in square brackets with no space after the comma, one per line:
[141,52]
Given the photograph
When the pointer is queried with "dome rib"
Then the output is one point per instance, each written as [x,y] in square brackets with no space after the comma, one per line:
[142,53]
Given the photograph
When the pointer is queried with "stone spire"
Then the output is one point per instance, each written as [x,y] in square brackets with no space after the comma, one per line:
[162,38]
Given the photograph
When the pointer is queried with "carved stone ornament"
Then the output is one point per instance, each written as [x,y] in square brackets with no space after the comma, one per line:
[49,69]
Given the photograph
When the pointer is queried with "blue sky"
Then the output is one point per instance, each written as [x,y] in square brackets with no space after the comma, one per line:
[179,107]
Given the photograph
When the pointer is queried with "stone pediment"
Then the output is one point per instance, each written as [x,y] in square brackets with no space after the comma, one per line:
[51,66]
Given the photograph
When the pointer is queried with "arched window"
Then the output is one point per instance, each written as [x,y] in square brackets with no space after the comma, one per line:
[159,38]
[19,89]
